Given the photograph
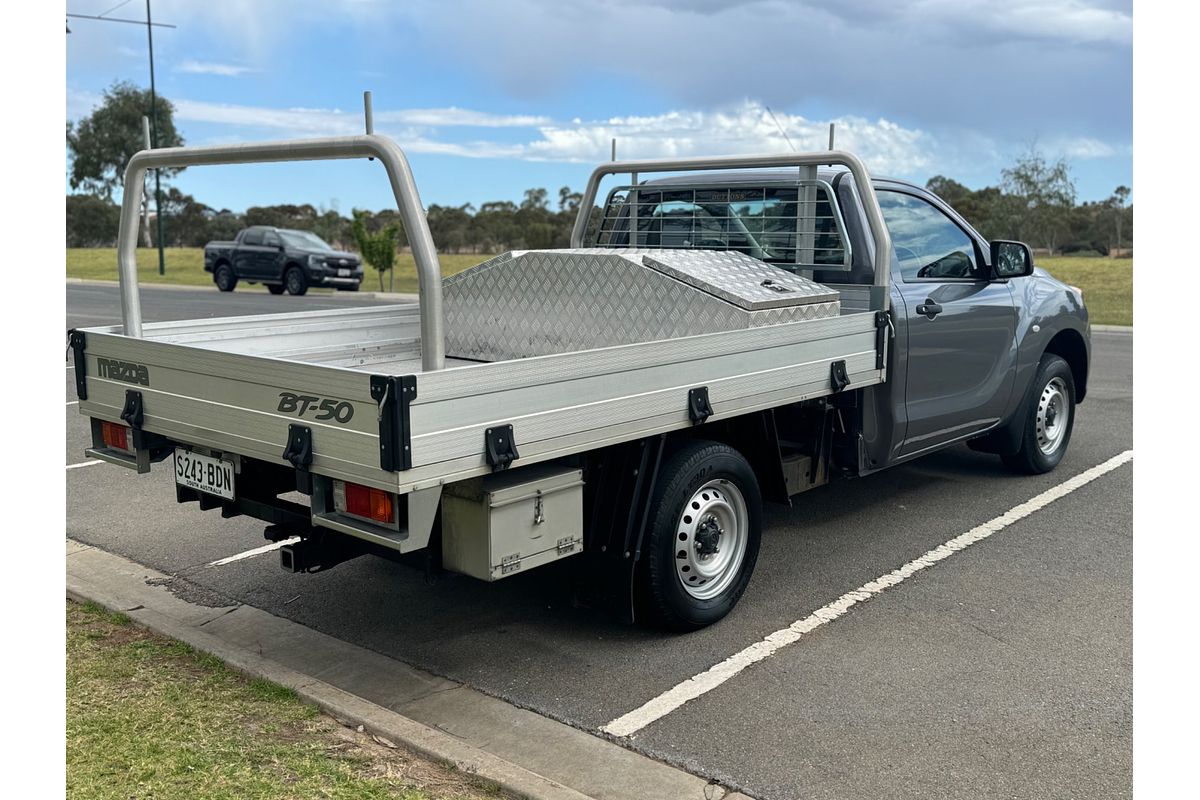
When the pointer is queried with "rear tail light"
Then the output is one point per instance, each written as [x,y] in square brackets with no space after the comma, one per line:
[115,436]
[364,501]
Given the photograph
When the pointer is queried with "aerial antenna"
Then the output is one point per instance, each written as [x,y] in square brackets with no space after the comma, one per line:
[781,130]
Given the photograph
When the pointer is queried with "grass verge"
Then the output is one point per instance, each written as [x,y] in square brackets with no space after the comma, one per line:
[184,266]
[1107,285]
[151,717]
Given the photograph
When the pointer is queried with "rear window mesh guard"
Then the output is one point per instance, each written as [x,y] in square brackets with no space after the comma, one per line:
[797,225]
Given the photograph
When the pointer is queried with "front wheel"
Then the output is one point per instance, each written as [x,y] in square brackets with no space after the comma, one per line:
[1049,419]
[225,279]
[295,281]
[702,537]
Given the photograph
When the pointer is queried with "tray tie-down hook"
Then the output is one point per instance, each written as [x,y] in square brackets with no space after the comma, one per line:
[500,447]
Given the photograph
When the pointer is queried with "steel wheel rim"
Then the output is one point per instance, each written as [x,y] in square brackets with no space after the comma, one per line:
[1053,416]
[715,516]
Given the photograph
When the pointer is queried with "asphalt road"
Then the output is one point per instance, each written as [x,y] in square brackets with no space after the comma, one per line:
[1003,671]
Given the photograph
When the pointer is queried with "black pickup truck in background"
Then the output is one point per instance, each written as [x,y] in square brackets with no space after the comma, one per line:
[281,259]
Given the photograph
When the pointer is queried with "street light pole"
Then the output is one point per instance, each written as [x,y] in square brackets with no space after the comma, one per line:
[162,269]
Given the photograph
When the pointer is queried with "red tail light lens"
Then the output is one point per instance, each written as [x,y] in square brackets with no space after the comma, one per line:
[114,435]
[363,501]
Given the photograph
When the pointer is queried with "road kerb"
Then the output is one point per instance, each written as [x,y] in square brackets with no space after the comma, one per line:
[135,590]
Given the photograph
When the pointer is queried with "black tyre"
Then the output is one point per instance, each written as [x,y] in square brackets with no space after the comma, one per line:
[702,537]
[275,288]
[295,281]
[1049,419]
[225,278]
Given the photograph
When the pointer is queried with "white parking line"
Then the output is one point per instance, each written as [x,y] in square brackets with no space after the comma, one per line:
[716,675]
[84,464]
[258,551]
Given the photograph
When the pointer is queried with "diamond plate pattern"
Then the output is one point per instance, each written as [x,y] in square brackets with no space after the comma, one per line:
[738,278]
[539,302]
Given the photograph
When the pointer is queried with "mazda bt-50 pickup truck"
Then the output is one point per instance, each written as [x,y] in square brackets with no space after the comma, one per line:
[722,333]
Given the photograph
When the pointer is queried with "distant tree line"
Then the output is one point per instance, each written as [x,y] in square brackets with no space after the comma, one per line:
[1035,202]
[92,221]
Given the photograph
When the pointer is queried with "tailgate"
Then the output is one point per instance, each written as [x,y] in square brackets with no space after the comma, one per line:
[236,403]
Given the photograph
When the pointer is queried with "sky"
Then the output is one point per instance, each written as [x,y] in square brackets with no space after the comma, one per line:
[491,98]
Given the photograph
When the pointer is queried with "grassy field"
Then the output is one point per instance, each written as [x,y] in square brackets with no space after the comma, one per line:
[150,717]
[1107,283]
[185,266]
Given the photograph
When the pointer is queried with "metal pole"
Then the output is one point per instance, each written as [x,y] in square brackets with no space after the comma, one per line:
[614,148]
[831,136]
[368,113]
[162,268]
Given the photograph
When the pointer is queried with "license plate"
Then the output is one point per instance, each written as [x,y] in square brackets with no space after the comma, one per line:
[343,273]
[204,473]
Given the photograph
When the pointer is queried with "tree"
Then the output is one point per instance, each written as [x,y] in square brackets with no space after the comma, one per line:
[102,143]
[91,221]
[1119,197]
[378,249]
[1046,193]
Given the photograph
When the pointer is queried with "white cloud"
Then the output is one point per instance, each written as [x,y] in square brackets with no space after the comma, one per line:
[459,117]
[744,128]
[1084,148]
[210,68]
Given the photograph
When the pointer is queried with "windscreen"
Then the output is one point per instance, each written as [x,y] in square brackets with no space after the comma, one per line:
[305,240]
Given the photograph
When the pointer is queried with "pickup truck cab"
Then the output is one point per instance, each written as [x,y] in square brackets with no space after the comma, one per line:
[741,331]
[282,259]
[969,342]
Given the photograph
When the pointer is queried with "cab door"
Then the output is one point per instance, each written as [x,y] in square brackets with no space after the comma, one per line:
[961,324]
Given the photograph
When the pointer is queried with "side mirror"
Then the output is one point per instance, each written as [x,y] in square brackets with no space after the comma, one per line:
[1011,259]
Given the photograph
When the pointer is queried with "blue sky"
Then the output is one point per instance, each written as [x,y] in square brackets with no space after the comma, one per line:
[490,99]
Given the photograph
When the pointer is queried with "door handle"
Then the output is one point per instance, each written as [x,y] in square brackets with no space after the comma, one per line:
[929,309]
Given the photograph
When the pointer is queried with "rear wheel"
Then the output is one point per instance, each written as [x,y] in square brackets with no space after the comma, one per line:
[1049,419]
[225,279]
[295,281]
[275,288]
[702,537]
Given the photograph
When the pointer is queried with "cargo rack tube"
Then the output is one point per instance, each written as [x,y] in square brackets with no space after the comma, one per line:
[862,183]
[408,202]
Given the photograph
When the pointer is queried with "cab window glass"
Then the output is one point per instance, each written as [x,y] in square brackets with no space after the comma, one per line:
[928,244]
[253,238]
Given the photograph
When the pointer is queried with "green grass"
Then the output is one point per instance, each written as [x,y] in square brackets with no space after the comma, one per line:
[1107,284]
[184,266]
[151,717]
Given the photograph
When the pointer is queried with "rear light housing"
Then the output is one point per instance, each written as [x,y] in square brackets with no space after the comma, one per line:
[364,502]
[116,436]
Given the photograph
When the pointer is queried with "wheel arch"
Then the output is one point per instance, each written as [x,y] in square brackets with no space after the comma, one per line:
[1068,344]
